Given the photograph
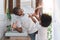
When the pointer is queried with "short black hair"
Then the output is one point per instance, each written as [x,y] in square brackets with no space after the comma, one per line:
[15,10]
[45,20]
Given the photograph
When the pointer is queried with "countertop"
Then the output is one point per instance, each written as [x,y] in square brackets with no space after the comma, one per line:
[15,33]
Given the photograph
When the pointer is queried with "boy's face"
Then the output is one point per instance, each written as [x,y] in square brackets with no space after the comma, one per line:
[20,12]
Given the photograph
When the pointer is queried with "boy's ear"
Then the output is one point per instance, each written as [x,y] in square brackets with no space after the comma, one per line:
[45,20]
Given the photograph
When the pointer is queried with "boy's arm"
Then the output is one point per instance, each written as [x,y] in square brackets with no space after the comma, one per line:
[16,28]
[37,18]
[32,18]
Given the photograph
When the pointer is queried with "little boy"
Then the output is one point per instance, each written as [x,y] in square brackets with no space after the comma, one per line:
[42,28]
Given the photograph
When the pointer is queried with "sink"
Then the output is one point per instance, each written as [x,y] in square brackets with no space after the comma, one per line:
[15,33]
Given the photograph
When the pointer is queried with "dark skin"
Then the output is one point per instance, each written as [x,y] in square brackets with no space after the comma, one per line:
[32,18]
[35,15]
[16,28]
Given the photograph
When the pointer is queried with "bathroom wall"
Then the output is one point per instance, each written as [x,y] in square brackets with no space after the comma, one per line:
[3,19]
[56,20]
[3,23]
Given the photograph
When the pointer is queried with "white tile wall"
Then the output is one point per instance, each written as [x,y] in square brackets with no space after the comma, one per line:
[1,6]
[56,20]
[3,23]
[1,17]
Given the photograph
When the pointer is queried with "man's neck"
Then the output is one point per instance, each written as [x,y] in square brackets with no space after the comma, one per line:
[22,15]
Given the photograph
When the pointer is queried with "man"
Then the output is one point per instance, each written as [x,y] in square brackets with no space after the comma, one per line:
[24,21]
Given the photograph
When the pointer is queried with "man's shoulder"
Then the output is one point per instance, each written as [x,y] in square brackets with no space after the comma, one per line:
[25,15]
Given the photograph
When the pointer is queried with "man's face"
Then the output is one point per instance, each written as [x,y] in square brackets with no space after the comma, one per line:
[20,12]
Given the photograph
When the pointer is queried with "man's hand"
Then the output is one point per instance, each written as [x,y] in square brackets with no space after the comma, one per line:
[14,25]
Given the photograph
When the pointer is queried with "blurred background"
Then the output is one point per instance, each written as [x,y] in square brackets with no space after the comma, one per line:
[6,8]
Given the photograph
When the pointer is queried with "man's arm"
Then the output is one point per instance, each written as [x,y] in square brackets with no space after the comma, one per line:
[16,28]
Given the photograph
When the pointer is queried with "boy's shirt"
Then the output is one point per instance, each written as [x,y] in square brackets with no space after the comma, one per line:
[42,32]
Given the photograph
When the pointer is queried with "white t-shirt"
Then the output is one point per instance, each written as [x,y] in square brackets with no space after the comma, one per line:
[28,24]
[15,19]
[42,33]
[25,22]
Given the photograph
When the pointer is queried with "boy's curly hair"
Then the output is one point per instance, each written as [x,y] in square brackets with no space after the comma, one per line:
[45,20]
